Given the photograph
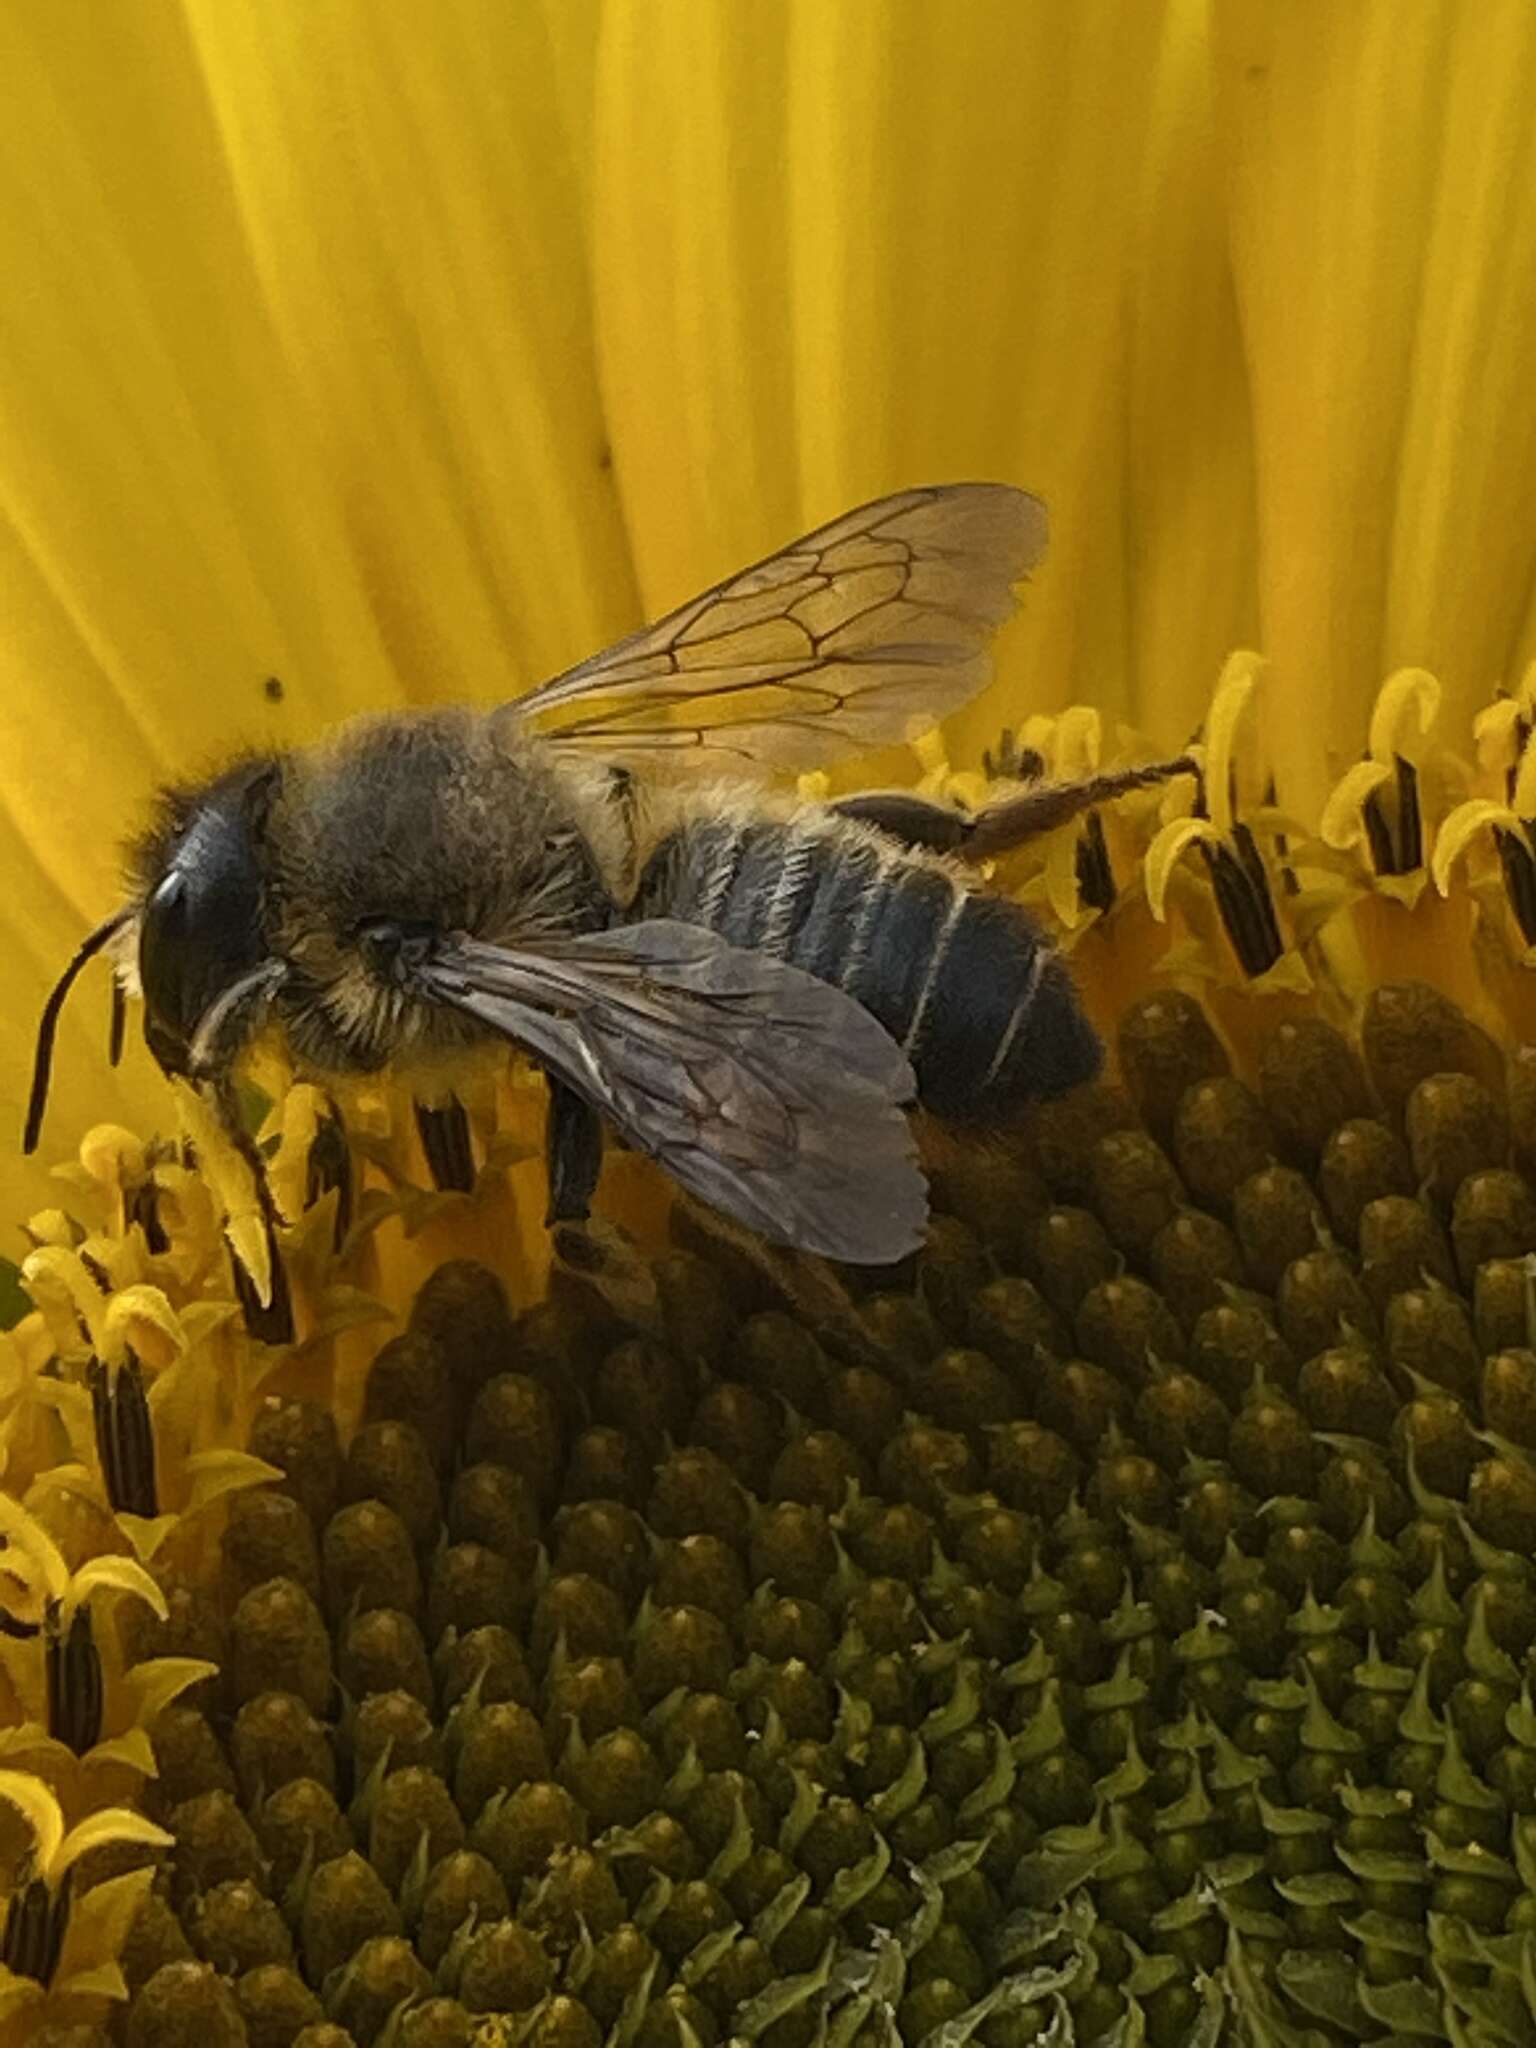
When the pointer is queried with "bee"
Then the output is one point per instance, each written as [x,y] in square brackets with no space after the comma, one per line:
[753,989]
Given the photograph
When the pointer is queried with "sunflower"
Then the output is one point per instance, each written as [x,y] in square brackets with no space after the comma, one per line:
[1116,1624]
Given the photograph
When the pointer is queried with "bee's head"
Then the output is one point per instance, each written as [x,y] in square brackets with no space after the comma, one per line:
[203,963]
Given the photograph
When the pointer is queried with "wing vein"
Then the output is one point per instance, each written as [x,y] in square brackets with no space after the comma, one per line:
[867,631]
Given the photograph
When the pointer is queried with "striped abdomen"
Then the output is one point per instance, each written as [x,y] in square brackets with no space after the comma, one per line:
[985,1011]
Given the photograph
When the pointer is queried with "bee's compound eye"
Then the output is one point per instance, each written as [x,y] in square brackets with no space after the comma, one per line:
[169,969]
[392,946]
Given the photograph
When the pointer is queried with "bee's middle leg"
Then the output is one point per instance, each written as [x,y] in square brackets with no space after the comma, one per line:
[573,1150]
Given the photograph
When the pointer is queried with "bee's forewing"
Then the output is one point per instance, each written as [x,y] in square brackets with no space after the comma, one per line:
[770,1094]
[862,633]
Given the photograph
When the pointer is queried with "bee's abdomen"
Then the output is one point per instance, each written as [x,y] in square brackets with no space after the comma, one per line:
[965,982]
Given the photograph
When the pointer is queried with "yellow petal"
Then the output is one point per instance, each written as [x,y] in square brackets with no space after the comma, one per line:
[1341,824]
[116,1575]
[1458,831]
[164,547]
[1079,741]
[870,248]
[100,1831]
[1411,696]
[41,1811]
[1189,496]
[1165,853]
[1524,798]
[274,407]
[1331,121]
[1462,568]
[430,285]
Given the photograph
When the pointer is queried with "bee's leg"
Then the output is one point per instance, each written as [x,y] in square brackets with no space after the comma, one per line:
[1014,819]
[809,1286]
[573,1148]
[330,1166]
[444,1132]
[269,1322]
[600,1259]
[911,819]
[978,835]
[595,1254]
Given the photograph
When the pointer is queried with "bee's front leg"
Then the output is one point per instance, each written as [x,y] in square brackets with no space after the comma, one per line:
[270,1321]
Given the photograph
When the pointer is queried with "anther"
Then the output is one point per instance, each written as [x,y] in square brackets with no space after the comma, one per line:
[1519,866]
[445,1140]
[125,1440]
[1095,876]
[1394,822]
[143,1208]
[33,1934]
[73,1668]
[1245,900]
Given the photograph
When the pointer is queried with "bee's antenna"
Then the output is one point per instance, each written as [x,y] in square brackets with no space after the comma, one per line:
[48,1024]
[230,1018]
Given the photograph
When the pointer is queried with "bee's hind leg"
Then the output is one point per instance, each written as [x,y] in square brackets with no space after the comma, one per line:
[978,835]
[1013,820]
[911,819]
